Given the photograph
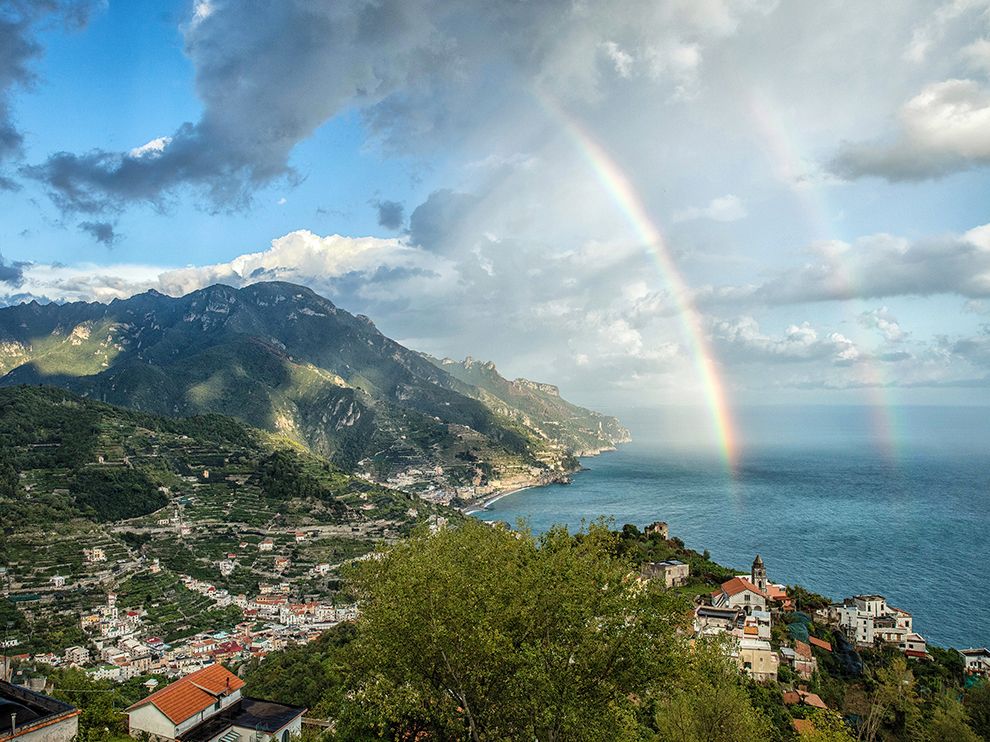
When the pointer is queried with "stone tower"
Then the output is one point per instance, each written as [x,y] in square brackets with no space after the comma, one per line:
[759,574]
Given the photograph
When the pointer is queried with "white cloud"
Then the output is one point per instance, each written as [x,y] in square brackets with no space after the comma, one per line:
[884,322]
[154,148]
[728,208]
[621,60]
[943,129]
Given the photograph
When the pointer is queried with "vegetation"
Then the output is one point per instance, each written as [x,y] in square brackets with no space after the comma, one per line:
[279,358]
[482,633]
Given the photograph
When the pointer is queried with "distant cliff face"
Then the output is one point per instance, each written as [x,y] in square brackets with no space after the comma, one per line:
[279,357]
[539,407]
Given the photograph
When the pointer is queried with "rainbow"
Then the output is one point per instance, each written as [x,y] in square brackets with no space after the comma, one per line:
[626,198]
[784,151]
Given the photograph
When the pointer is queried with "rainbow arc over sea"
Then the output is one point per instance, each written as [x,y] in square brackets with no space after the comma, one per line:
[622,192]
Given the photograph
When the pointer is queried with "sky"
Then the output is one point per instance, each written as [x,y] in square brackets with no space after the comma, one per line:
[711,203]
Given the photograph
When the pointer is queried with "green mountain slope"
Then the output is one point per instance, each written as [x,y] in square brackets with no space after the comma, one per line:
[538,407]
[97,499]
[281,358]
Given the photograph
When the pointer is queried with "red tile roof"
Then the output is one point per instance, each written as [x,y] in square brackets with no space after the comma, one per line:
[793,697]
[802,649]
[820,643]
[193,693]
[739,584]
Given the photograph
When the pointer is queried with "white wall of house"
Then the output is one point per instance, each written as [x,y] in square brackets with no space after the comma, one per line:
[149,719]
[64,730]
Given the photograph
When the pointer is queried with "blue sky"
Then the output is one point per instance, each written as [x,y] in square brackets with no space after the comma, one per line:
[819,172]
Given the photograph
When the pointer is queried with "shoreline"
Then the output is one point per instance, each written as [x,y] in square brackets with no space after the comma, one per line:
[483,506]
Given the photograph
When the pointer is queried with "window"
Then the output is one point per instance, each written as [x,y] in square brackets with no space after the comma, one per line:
[285,736]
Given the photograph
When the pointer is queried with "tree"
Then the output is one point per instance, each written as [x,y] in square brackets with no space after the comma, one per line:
[712,704]
[894,701]
[829,727]
[949,721]
[484,633]
[977,702]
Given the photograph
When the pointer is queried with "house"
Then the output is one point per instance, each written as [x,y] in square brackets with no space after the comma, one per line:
[226,567]
[804,662]
[739,593]
[658,528]
[281,563]
[820,643]
[300,536]
[207,706]
[709,620]
[778,595]
[914,645]
[58,581]
[803,698]
[672,572]
[976,661]
[859,626]
[757,659]
[76,655]
[28,716]
[323,568]
[96,554]
[266,545]
[757,624]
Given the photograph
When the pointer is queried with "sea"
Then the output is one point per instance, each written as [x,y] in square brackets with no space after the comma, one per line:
[831,498]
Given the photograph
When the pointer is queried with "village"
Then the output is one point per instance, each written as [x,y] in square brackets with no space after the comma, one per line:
[765,631]
[770,637]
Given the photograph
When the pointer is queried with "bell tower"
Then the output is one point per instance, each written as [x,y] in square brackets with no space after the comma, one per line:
[759,574]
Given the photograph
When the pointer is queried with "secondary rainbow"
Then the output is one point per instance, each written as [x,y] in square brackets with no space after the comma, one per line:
[783,145]
[625,196]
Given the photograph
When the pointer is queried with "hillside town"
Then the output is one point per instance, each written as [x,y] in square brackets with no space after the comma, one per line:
[761,625]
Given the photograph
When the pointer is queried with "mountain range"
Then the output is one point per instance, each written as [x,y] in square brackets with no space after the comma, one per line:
[281,358]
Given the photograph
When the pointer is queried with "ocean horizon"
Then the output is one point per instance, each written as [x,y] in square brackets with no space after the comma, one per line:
[839,511]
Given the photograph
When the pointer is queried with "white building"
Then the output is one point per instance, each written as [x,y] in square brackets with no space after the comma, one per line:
[757,659]
[672,572]
[976,661]
[739,593]
[208,704]
[76,655]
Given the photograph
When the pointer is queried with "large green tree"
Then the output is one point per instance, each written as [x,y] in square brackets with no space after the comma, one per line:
[710,703]
[483,633]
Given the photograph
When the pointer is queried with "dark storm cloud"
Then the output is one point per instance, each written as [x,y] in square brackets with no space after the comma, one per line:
[435,223]
[19,23]
[268,74]
[100,231]
[421,73]
[11,273]
[391,214]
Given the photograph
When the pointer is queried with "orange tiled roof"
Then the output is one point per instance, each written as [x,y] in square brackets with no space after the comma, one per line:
[738,584]
[793,697]
[802,649]
[193,693]
[820,643]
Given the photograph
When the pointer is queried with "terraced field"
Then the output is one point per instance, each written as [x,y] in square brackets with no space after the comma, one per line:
[80,477]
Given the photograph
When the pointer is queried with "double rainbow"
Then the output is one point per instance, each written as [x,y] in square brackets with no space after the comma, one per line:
[619,188]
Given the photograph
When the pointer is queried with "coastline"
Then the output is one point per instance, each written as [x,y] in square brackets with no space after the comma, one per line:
[472,509]
[482,504]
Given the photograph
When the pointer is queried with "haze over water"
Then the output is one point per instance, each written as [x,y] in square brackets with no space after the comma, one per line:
[816,492]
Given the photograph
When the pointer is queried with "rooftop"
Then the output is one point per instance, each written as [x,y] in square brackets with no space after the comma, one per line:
[32,710]
[249,713]
[193,693]
[738,585]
